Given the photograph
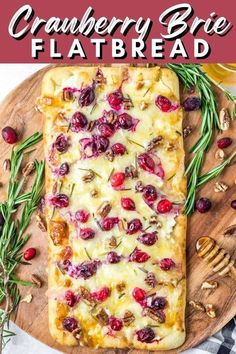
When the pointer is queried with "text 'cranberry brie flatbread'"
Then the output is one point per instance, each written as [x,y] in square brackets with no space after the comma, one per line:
[115,190]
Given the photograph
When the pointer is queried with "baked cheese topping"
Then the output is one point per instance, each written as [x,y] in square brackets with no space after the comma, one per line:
[114,196]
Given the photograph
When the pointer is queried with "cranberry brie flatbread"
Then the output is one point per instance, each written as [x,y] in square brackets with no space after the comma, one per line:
[115,190]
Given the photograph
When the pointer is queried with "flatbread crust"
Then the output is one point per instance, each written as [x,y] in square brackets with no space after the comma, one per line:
[153,122]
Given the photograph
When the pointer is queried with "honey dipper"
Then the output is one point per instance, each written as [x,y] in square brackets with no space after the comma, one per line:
[218,259]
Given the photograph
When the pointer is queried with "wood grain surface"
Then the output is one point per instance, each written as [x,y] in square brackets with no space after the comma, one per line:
[18,110]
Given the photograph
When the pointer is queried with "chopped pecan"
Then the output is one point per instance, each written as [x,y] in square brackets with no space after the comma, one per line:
[131,172]
[143,105]
[94,193]
[58,231]
[36,280]
[209,285]
[128,103]
[139,85]
[128,318]
[154,221]
[67,95]
[28,298]
[156,315]
[100,79]
[150,279]
[86,295]
[77,333]
[111,117]
[197,306]
[48,101]
[29,167]
[102,317]
[219,154]
[210,310]
[187,131]
[104,209]
[171,146]
[41,223]
[154,143]
[139,187]
[220,187]
[91,125]
[111,242]
[89,177]
[120,286]
[224,119]
[230,231]
[6,165]
[54,188]
[109,155]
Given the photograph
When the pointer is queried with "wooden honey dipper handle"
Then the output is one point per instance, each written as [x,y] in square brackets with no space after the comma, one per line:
[219,260]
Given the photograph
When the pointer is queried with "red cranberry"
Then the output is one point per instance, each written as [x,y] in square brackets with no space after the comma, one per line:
[113,257]
[166,264]
[61,143]
[78,122]
[9,135]
[100,144]
[134,226]
[108,223]
[87,233]
[192,103]
[29,254]
[146,162]
[88,269]
[127,204]
[115,324]
[145,335]
[159,303]
[164,206]
[163,103]
[139,294]
[60,201]
[70,324]
[106,130]
[125,121]
[150,193]
[117,179]
[139,256]
[203,205]
[82,215]
[70,298]
[86,97]
[101,295]
[148,238]
[118,149]
[224,143]
[64,169]
[115,99]
[233,204]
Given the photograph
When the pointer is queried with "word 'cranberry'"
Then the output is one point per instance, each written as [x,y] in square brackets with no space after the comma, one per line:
[9,135]
[134,226]
[29,254]
[127,203]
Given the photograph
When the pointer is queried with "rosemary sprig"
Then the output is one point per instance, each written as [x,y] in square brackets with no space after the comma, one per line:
[12,237]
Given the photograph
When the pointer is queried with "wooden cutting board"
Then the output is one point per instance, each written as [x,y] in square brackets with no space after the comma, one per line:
[18,110]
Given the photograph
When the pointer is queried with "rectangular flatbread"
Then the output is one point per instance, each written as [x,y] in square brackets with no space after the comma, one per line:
[115,190]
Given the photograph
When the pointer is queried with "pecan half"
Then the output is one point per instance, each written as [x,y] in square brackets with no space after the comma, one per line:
[230,231]
[109,155]
[143,105]
[139,187]
[158,315]
[77,333]
[104,209]
[209,285]
[28,169]
[89,177]
[154,143]
[220,187]
[94,193]
[131,172]
[86,295]
[128,318]
[197,306]
[58,231]
[41,223]
[6,165]
[210,310]
[102,317]
[111,117]
[111,242]
[91,125]
[151,280]
[224,119]
[219,154]
[187,131]
[36,280]
[120,287]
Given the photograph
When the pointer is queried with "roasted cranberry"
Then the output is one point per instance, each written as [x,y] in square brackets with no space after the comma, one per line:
[146,162]
[100,144]
[192,103]
[115,324]
[148,238]
[118,149]
[64,169]
[88,269]
[9,135]
[117,179]
[101,295]
[134,226]
[145,335]
[106,130]
[87,233]
[86,97]
[60,201]
[203,205]
[61,143]
[150,193]
[138,256]
[78,122]
[82,215]
[127,203]
[113,257]
[223,143]
[125,121]
[159,303]
[164,206]
[70,324]
[29,254]
[163,103]
[233,204]
[108,223]
[166,264]
[70,298]
[115,99]
[139,294]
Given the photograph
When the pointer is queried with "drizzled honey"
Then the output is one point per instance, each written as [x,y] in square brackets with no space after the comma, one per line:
[221,73]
